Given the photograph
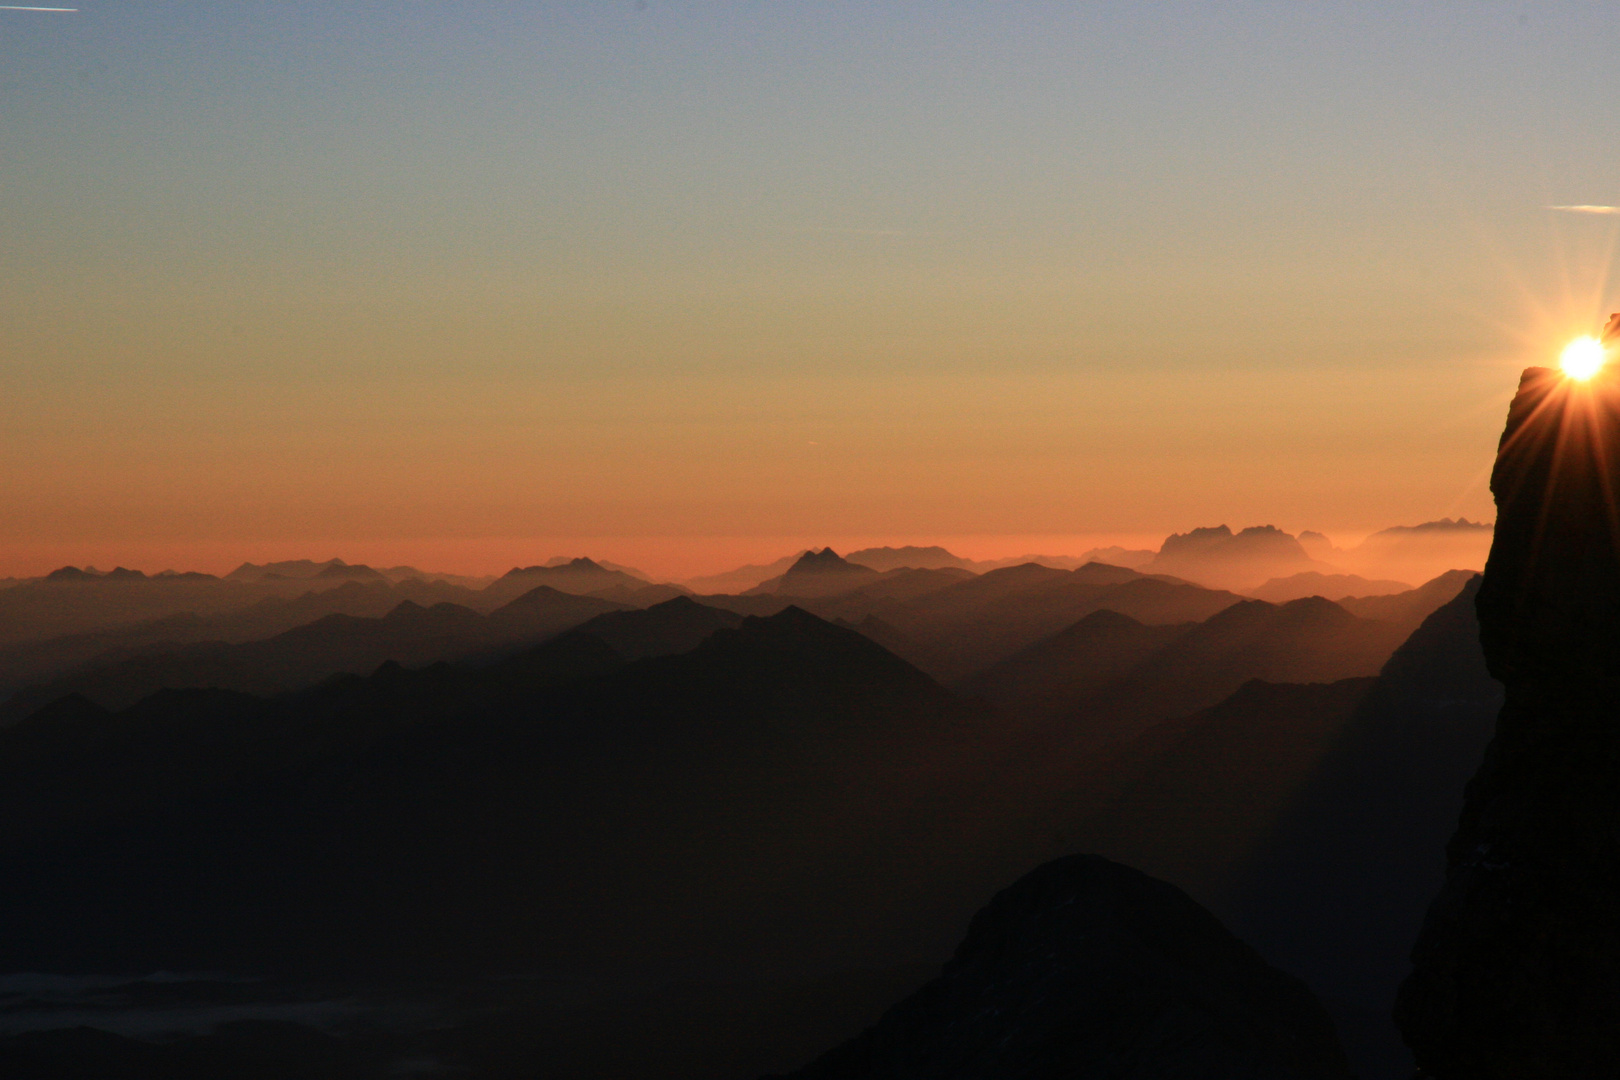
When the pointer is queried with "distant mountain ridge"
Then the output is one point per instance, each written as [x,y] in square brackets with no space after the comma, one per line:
[818,573]
[1329,586]
[409,634]
[580,576]
[1219,557]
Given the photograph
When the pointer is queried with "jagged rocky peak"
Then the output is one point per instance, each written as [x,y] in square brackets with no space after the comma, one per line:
[1517,970]
[1219,557]
[825,561]
[1196,540]
[1088,968]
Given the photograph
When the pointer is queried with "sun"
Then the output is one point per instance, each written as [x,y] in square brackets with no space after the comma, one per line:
[1583,358]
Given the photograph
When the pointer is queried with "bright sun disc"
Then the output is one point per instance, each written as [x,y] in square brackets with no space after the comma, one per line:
[1582,358]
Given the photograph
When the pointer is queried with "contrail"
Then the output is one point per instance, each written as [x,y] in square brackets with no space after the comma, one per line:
[1588,209]
[16,7]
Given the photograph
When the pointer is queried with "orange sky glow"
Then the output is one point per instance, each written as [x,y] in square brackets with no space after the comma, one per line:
[688,287]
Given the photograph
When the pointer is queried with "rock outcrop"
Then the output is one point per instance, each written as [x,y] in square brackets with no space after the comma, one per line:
[1087,968]
[1517,969]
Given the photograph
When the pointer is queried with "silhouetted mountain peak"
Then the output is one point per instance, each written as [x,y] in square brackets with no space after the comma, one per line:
[674,626]
[1101,621]
[409,611]
[1333,586]
[580,564]
[1087,967]
[1101,573]
[911,557]
[1309,610]
[1316,609]
[1444,525]
[1196,540]
[794,629]
[825,561]
[540,594]
[579,576]
[1218,556]
[70,573]
[819,574]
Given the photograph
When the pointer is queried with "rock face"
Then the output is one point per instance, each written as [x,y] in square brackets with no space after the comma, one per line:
[1517,969]
[1221,558]
[1088,968]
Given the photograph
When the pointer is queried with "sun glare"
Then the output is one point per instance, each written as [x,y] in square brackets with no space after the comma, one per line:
[1582,358]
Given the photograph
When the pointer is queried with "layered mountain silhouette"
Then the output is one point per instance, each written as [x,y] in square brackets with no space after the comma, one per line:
[1308,817]
[743,578]
[579,576]
[312,571]
[966,625]
[726,830]
[1221,558]
[751,802]
[908,558]
[1329,586]
[29,661]
[1110,677]
[55,627]
[1337,889]
[818,573]
[410,634]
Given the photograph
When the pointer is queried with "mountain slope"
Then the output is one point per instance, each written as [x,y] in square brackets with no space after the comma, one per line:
[577,576]
[1088,968]
[759,801]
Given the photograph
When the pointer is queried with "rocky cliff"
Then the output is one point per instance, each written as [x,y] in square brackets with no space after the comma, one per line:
[1517,969]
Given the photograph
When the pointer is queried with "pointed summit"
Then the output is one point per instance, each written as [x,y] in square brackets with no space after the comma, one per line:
[822,573]
[825,559]
[580,576]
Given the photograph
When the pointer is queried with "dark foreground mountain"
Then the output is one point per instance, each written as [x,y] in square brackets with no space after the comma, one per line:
[1517,970]
[1307,817]
[1087,968]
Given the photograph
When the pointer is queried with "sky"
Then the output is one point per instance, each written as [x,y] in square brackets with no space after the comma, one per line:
[688,284]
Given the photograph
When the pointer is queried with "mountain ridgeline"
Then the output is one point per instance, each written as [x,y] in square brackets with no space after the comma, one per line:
[725,830]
